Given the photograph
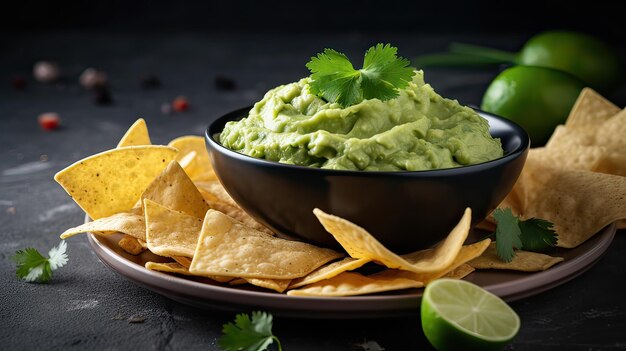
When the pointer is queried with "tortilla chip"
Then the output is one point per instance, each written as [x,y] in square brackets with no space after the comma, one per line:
[578,203]
[214,191]
[573,156]
[227,247]
[239,214]
[111,182]
[136,135]
[613,163]
[351,284]
[199,168]
[612,133]
[131,245]
[183,261]
[328,271]
[590,109]
[170,233]
[130,223]
[466,254]
[621,224]
[523,261]
[361,244]
[460,272]
[278,285]
[173,189]
[238,281]
[169,267]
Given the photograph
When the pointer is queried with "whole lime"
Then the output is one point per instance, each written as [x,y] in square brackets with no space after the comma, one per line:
[536,98]
[584,56]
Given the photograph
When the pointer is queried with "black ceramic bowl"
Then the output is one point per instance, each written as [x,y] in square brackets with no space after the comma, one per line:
[406,211]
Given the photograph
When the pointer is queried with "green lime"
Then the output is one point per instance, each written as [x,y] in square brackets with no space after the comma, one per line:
[458,315]
[581,55]
[536,98]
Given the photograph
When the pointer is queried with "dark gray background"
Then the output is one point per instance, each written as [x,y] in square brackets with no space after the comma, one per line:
[89,307]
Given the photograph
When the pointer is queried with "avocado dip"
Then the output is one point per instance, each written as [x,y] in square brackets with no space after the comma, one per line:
[418,130]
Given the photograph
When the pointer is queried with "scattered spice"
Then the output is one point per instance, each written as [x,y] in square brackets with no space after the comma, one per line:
[11,210]
[49,121]
[180,104]
[46,72]
[43,158]
[91,78]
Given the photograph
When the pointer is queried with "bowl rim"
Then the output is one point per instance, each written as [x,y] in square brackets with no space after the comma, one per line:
[514,154]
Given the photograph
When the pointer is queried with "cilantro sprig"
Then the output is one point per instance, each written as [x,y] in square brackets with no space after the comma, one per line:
[249,334]
[533,234]
[33,267]
[336,80]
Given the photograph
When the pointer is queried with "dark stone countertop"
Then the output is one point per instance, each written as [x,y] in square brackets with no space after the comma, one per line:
[87,306]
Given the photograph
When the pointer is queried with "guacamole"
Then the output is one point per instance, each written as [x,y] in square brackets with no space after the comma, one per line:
[418,130]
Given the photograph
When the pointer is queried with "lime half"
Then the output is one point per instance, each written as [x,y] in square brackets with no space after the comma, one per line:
[458,315]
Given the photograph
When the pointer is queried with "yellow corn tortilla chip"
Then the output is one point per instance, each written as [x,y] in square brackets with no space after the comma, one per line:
[574,156]
[173,189]
[136,135]
[183,261]
[168,267]
[239,214]
[523,261]
[214,191]
[466,254]
[578,203]
[278,285]
[199,168]
[361,244]
[238,281]
[590,109]
[130,223]
[612,133]
[217,197]
[227,247]
[131,245]
[328,271]
[181,268]
[613,163]
[460,272]
[170,233]
[351,284]
[111,182]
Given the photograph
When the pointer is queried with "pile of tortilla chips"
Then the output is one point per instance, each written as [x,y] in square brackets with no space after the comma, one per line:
[167,199]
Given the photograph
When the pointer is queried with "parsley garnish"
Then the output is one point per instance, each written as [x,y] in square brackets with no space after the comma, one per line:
[33,267]
[507,234]
[533,234]
[336,80]
[249,334]
[537,235]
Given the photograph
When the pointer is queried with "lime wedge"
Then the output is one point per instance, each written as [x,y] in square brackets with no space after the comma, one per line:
[458,315]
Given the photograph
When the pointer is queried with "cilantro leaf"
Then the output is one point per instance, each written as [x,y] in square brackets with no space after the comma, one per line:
[537,235]
[507,234]
[33,267]
[249,334]
[336,80]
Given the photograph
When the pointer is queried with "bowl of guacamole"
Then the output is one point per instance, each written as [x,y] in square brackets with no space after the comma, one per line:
[376,146]
[418,130]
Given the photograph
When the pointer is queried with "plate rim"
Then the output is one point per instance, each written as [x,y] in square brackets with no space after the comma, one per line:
[204,295]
